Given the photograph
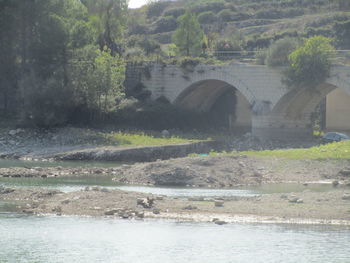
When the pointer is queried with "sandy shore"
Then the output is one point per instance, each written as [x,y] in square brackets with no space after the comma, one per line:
[300,208]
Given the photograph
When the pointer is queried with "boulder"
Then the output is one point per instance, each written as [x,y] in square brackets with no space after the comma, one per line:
[344,172]
[165,133]
[145,202]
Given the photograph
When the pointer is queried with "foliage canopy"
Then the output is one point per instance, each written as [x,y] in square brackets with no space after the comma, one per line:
[310,64]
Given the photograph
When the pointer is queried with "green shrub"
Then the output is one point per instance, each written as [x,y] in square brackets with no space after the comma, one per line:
[207,17]
[260,56]
[156,9]
[342,34]
[174,12]
[279,51]
[165,24]
[188,62]
[226,15]
[310,64]
[213,6]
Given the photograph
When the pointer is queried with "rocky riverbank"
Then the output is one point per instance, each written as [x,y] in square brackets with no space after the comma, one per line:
[207,172]
[137,154]
[71,143]
[306,207]
[86,144]
[230,171]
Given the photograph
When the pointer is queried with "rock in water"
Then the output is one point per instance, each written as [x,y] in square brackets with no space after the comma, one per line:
[346,197]
[220,222]
[219,203]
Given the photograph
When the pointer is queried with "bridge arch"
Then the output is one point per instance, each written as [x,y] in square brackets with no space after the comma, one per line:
[299,105]
[226,104]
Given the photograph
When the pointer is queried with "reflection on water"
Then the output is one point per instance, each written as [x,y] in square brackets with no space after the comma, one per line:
[74,239]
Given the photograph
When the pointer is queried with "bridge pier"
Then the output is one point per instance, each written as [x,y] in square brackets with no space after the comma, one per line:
[280,128]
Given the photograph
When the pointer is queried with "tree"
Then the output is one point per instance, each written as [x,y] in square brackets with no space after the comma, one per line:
[108,18]
[97,80]
[342,33]
[188,36]
[310,64]
[8,49]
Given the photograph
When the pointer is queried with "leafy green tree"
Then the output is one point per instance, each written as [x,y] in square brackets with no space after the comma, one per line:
[188,36]
[97,80]
[310,64]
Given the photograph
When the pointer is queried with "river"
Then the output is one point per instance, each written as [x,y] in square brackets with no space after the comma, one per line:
[53,239]
[75,239]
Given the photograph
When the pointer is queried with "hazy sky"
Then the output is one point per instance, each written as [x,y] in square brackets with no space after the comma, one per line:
[136,3]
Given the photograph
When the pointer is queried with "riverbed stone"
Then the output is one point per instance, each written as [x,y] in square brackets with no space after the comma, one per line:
[125,216]
[196,199]
[344,172]
[66,201]
[284,196]
[220,222]
[111,212]
[295,199]
[156,211]
[145,202]
[96,188]
[190,207]
[5,190]
[346,196]
[57,209]
[140,214]
[104,190]
[219,203]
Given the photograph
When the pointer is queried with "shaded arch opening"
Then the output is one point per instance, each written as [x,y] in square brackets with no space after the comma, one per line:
[223,105]
[326,108]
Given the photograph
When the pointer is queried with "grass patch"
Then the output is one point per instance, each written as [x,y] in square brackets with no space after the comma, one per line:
[141,139]
[338,150]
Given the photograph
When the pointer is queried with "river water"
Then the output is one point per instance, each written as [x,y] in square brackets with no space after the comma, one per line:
[77,239]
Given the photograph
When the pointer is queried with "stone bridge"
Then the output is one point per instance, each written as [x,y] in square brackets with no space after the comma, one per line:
[262,103]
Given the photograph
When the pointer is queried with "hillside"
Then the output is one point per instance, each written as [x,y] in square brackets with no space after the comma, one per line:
[249,24]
